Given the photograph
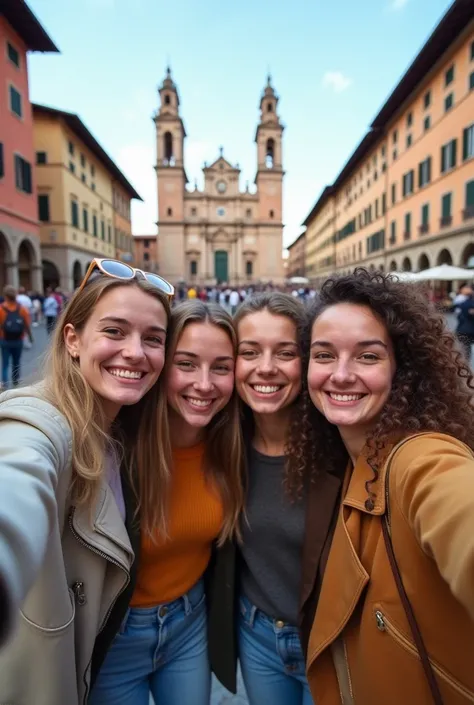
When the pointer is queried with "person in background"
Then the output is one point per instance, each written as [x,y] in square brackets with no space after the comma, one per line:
[465,326]
[393,404]
[15,323]
[192,293]
[234,301]
[24,300]
[50,310]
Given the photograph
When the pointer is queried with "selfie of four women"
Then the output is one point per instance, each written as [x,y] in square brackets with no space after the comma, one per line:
[291,490]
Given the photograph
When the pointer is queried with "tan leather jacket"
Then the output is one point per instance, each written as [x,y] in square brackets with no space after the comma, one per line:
[61,570]
[361,649]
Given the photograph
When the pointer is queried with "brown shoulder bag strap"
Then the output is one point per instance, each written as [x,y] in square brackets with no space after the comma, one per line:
[420,645]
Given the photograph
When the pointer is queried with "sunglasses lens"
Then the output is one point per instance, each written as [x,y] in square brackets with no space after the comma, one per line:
[116,269]
[160,283]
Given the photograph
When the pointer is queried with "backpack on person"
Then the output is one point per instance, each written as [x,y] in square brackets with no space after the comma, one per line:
[13,325]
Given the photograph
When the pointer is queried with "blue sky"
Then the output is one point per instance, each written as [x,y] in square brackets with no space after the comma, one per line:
[333,65]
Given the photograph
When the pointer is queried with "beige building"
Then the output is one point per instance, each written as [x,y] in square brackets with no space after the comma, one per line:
[220,234]
[145,252]
[405,198]
[123,238]
[76,181]
[296,257]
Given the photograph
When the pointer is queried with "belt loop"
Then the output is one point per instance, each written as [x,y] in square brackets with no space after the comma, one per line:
[252,615]
[187,604]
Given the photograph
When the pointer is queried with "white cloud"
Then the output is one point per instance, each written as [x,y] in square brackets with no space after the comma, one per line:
[396,5]
[337,81]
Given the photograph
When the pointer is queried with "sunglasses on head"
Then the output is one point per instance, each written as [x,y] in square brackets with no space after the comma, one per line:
[119,270]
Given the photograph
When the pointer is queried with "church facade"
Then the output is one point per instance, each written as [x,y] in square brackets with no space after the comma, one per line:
[221,234]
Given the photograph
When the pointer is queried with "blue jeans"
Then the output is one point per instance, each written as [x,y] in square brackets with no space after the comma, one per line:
[160,650]
[271,658]
[11,349]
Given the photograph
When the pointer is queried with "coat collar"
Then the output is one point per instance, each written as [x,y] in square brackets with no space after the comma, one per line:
[107,532]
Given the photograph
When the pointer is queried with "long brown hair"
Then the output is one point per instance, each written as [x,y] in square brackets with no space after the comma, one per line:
[223,462]
[432,389]
[66,388]
[278,304]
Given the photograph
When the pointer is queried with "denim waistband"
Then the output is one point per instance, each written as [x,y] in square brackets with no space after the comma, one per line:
[251,612]
[186,603]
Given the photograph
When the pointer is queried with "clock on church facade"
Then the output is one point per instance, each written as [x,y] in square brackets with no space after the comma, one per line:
[220,234]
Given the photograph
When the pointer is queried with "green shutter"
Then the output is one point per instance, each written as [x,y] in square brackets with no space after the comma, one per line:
[425,214]
[420,174]
[454,149]
[470,194]
[446,206]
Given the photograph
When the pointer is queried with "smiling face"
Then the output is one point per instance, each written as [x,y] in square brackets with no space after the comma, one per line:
[121,348]
[351,367]
[200,379]
[268,370]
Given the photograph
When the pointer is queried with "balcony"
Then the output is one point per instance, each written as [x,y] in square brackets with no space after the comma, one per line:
[392,240]
[424,228]
[445,221]
[407,235]
[468,213]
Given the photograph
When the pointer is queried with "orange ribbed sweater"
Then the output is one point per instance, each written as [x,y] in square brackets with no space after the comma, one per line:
[168,569]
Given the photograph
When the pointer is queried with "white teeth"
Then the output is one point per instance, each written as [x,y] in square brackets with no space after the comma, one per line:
[201,403]
[346,397]
[128,374]
[265,389]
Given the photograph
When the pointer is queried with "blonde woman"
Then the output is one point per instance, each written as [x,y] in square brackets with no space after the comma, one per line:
[66,514]
[162,645]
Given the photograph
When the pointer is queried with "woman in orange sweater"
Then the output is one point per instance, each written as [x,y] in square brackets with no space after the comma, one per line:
[161,647]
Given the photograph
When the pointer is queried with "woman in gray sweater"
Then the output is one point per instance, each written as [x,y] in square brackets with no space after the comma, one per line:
[269,381]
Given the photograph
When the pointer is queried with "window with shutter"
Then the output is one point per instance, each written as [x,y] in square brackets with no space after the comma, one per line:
[468,142]
[446,205]
[74,213]
[43,207]
[470,194]
[23,180]
[15,102]
[94,225]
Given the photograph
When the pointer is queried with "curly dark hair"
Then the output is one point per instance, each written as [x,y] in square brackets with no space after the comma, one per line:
[432,389]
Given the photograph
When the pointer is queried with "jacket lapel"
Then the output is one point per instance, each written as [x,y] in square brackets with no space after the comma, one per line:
[321,505]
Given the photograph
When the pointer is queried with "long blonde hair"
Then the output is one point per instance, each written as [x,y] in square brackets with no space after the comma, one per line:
[224,454]
[66,388]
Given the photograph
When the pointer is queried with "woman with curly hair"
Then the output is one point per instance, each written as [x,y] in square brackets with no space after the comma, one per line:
[277,570]
[393,399]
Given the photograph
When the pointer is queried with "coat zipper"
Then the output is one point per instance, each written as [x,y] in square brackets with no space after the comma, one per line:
[78,588]
[385,625]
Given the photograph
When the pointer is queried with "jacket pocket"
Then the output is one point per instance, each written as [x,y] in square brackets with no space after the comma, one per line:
[58,629]
[384,624]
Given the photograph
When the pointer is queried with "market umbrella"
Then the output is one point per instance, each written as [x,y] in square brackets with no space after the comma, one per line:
[298,280]
[403,276]
[444,273]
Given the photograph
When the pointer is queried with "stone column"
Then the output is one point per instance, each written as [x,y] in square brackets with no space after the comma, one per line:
[13,276]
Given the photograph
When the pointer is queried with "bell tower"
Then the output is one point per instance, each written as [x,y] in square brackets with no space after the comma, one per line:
[171,180]
[269,179]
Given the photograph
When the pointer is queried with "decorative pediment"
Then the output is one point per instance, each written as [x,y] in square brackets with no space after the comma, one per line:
[221,165]
[219,234]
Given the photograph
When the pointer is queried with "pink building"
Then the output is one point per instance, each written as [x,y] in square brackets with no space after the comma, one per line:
[20,259]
